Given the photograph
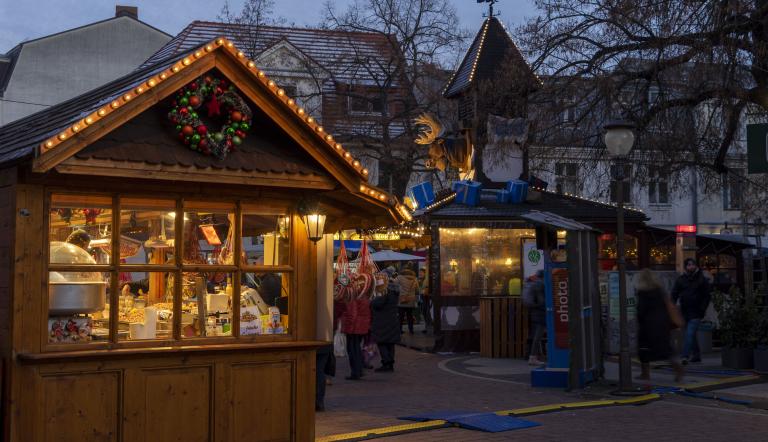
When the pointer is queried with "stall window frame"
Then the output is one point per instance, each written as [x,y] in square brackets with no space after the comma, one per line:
[182,204]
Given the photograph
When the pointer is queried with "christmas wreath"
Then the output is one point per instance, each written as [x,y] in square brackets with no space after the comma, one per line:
[220,100]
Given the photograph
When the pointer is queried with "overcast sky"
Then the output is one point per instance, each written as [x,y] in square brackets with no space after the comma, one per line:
[28,19]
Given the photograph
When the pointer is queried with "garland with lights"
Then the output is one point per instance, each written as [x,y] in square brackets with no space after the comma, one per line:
[219,97]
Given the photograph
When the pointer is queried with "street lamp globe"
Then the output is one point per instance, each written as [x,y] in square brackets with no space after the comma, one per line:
[619,137]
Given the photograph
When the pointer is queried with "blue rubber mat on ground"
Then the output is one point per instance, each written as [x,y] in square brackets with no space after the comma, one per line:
[488,422]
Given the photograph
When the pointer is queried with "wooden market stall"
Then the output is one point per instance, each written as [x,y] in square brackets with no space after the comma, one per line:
[159,278]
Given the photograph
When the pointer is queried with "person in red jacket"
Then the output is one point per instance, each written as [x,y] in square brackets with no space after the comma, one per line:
[356,323]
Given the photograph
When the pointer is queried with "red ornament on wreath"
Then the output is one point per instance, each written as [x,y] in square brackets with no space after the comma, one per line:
[222,102]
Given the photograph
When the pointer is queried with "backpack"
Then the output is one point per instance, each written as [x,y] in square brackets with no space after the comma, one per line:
[529,294]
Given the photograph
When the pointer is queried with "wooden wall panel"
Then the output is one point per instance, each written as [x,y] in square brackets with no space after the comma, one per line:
[263,398]
[81,407]
[177,404]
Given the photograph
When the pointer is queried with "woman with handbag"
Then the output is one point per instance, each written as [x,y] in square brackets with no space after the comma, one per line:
[656,318]
[409,287]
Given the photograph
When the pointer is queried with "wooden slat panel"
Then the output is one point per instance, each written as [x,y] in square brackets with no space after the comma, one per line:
[81,407]
[262,401]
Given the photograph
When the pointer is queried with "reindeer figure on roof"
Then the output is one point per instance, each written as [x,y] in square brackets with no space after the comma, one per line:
[444,152]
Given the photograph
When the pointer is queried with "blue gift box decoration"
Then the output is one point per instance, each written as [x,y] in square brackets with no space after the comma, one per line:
[467,192]
[518,190]
[503,196]
[423,194]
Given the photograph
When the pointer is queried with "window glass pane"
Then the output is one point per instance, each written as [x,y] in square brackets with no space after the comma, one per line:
[147,231]
[206,308]
[266,239]
[208,237]
[145,306]
[78,310]
[264,303]
[608,252]
[663,192]
[481,262]
[80,224]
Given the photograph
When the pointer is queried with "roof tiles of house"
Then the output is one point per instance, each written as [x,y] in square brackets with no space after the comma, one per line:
[338,52]
[19,139]
[571,207]
[491,46]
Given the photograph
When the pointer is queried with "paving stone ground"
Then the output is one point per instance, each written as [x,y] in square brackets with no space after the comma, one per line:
[426,382]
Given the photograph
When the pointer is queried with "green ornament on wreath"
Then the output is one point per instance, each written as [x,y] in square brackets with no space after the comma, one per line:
[220,101]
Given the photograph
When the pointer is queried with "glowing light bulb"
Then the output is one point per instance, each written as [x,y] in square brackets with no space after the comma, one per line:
[291,102]
[320,129]
[102,112]
[280,92]
[337,146]
[310,120]
[49,143]
[127,97]
[251,64]
[151,82]
[271,83]
[208,48]
[62,136]
[88,120]
[175,69]
[163,76]
[347,155]
[356,163]
[115,104]
[198,54]
[186,61]
[365,171]
[220,41]
[300,111]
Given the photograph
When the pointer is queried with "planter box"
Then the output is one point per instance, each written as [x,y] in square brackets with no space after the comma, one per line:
[761,360]
[738,358]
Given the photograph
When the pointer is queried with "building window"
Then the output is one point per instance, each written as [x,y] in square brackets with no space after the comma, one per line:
[362,103]
[658,187]
[653,96]
[732,190]
[626,174]
[567,176]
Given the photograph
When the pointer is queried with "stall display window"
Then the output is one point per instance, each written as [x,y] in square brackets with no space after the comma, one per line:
[264,303]
[78,307]
[145,305]
[79,232]
[206,304]
[266,239]
[662,257]
[722,268]
[130,290]
[481,262]
[85,222]
[147,231]
[209,237]
[608,253]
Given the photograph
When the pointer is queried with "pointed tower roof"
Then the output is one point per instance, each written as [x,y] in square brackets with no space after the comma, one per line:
[491,46]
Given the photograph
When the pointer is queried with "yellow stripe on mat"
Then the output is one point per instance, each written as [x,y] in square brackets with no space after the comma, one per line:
[435,424]
[384,431]
[720,383]
[575,405]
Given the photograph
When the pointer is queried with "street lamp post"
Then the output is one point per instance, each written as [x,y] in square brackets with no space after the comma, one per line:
[619,139]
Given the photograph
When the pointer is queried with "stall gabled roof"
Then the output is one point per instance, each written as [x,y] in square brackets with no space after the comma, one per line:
[553,220]
[491,47]
[581,210]
[62,131]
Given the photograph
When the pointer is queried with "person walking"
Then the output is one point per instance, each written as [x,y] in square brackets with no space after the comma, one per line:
[385,325]
[693,291]
[408,288]
[356,323]
[426,307]
[656,317]
[533,299]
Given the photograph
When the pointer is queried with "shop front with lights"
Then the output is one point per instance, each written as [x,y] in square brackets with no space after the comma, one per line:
[166,249]
[487,251]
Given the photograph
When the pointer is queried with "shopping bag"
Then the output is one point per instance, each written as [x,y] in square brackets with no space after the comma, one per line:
[370,353]
[339,344]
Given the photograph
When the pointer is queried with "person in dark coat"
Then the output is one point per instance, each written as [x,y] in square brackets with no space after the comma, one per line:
[693,290]
[537,318]
[654,325]
[385,324]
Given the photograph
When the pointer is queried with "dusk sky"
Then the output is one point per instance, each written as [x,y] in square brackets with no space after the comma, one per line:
[29,19]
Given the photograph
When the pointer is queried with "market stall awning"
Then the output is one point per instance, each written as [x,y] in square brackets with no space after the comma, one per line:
[391,255]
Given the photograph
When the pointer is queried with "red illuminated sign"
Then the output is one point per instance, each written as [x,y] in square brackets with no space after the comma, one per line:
[686,228]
